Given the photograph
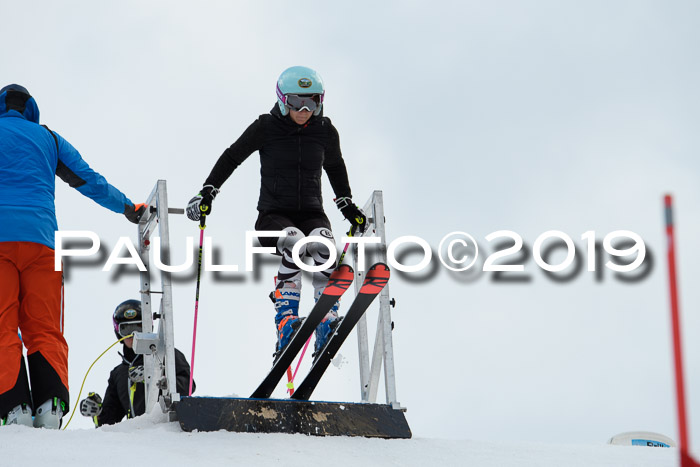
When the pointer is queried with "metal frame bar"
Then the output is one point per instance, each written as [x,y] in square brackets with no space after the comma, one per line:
[158,347]
[383,351]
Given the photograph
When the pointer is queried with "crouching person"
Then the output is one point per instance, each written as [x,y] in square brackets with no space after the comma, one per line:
[126,394]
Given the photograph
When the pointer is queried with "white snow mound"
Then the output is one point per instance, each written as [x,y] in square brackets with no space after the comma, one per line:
[152,440]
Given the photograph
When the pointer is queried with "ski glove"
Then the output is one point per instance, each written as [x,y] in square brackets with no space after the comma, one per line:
[91,406]
[136,374]
[201,204]
[134,212]
[352,213]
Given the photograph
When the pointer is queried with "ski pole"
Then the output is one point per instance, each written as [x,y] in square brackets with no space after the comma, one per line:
[290,383]
[202,226]
[299,363]
[350,233]
[290,376]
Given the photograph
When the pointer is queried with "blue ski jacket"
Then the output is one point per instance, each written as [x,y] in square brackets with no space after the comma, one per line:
[30,158]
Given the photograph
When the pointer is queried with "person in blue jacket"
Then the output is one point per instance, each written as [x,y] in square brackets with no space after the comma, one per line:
[31,294]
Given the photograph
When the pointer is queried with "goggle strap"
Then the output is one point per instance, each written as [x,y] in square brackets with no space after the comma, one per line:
[281,95]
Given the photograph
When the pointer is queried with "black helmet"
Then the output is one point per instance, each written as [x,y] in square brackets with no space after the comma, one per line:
[127,318]
[16,97]
[15,87]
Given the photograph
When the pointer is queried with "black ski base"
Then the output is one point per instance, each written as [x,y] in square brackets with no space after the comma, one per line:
[291,416]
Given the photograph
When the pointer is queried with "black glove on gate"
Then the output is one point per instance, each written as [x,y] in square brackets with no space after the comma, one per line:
[91,406]
[136,374]
[133,213]
[352,213]
[201,204]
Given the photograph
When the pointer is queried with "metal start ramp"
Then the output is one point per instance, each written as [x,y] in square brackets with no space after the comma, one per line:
[291,416]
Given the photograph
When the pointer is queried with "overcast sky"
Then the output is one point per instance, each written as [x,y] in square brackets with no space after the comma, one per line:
[470,116]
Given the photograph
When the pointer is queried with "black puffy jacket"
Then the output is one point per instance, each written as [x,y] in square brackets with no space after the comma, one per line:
[126,399]
[291,161]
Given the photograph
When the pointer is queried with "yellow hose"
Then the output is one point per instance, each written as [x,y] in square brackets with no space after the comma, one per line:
[75,406]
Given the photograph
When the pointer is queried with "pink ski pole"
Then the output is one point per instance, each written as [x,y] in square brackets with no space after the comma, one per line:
[202,226]
[306,346]
[345,250]
[290,385]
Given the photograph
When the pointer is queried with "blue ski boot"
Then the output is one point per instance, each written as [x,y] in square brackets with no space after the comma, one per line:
[287,318]
[326,328]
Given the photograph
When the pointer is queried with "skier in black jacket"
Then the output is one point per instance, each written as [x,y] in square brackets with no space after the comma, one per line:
[125,394]
[296,143]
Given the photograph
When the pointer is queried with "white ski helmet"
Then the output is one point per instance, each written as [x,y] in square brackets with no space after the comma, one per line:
[300,81]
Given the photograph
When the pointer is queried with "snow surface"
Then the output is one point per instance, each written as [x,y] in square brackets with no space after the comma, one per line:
[155,442]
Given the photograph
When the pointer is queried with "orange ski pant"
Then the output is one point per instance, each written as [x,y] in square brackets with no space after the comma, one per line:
[31,299]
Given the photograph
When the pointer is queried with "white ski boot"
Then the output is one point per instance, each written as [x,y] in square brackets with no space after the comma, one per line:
[20,415]
[49,414]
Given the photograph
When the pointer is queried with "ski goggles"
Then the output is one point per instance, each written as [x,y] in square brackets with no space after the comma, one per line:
[298,102]
[129,328]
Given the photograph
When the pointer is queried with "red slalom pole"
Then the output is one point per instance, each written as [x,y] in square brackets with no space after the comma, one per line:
[686,460]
